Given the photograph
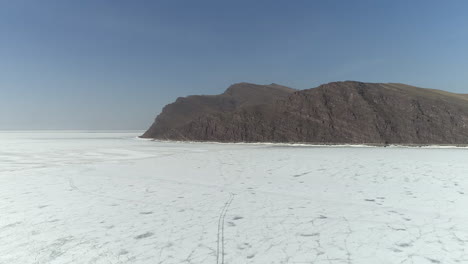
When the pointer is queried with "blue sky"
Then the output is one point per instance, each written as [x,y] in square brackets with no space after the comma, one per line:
[114,64]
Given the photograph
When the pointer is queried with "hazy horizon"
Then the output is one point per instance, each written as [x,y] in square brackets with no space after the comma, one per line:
[113,65]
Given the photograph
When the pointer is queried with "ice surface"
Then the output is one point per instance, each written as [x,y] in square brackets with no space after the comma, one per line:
[82,197]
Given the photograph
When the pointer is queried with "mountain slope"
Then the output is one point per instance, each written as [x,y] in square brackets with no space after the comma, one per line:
[188,109]
[338,112]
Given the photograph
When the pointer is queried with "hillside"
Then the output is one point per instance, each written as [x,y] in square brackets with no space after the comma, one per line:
[338,112]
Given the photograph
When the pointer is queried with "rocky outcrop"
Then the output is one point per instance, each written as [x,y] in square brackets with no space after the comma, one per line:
[186,110]
[338,112]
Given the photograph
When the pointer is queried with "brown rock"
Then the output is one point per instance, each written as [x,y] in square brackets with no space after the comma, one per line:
[338,112]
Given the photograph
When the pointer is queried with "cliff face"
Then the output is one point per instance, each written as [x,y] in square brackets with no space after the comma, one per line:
[339,112]
[186,110]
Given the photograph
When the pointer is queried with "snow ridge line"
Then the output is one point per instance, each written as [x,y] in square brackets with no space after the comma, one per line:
[220,238]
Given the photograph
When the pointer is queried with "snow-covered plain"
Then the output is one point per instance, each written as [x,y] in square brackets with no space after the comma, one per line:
[82,197]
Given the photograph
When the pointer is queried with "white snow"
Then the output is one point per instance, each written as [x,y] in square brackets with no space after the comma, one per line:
[83,197]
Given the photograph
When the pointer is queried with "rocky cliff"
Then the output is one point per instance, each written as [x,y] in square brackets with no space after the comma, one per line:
[338,112]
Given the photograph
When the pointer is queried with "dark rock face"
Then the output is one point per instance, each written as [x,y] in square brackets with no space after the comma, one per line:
[186,110]
[339,112]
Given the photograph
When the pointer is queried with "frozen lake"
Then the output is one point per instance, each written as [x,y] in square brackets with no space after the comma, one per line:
[82,197]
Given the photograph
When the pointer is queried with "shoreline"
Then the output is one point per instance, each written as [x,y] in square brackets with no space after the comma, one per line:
[320,144]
